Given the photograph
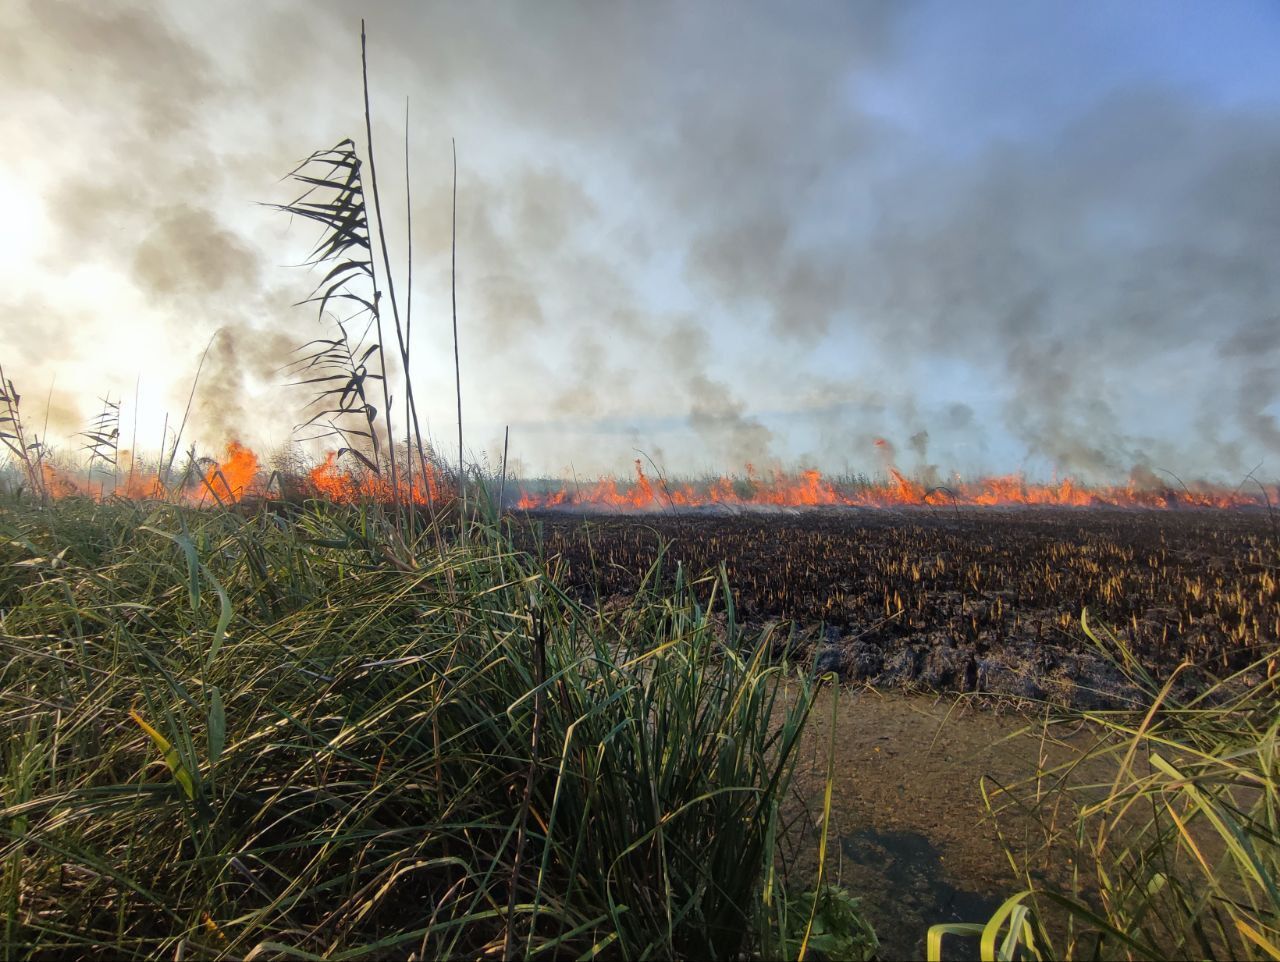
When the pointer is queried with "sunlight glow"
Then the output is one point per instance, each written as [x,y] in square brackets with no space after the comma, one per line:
[25,223]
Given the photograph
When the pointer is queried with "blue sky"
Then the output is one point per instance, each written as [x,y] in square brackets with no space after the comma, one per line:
[990,70]
[1041,234]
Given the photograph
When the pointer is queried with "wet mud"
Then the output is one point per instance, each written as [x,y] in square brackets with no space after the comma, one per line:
[910,833]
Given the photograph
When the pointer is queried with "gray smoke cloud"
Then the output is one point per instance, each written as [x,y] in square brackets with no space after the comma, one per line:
[1105,247]
[191,261]
[717,414]
[137,184]
[1029,273]
[920,444]
[1131,236]
[691,211]
[240,357]
[187,252]
[124,61]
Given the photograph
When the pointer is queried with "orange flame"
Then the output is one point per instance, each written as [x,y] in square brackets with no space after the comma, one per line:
[333,483]
[810,488]
[237,475]
[233,477]
[142,487]
[57,484]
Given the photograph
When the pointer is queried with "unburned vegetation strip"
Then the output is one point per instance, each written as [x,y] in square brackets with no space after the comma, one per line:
[236,735]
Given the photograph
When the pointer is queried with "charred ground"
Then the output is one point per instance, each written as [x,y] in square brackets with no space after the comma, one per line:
[968,600]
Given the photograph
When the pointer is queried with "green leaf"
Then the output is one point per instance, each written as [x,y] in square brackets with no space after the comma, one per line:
[217,726]
[933,944]
[193,562]
[224,617]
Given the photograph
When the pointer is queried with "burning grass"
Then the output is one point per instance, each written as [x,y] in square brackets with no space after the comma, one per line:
[240,474]
[810,488]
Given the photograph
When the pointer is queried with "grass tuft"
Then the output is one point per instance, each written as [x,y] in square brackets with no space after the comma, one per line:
[237,736]
[1172,818]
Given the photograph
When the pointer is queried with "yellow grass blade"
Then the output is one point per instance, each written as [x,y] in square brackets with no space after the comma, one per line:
[170,755]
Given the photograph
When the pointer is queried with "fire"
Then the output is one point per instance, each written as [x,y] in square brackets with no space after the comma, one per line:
[137,484]
[334,483]
[233,477]
[142,487]
[237,474]
[57,484]
[809,488]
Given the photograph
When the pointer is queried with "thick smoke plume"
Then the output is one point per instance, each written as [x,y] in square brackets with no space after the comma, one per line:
[705,214]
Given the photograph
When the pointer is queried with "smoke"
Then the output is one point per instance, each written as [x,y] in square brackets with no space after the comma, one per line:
[671,211]
[717,414]
[239,361]
[920,444]
[188,253]
[1058,266]
[122,64]
[888,454]
[720,420]
[959,416]
[1253,352]
[191,264]
[928,473]
[58,411]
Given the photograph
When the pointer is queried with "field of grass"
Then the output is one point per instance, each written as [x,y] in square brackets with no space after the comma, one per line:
[244,736]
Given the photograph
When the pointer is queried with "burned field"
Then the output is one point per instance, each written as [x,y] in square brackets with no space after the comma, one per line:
[977,600]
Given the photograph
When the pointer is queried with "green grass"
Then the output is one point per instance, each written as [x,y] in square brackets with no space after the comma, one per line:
[241,736]
[1171,815]
[245,735]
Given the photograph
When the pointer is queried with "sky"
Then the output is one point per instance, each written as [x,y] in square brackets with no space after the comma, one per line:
[1005,236]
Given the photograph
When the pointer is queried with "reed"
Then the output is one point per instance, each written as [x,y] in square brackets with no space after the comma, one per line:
[102,442]
[1177,848]
[233,736]
[27,452]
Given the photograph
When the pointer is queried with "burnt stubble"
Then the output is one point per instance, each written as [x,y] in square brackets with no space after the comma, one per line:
[977,600]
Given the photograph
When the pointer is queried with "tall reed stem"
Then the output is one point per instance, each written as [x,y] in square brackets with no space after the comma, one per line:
[386,260]
[457,365]
[177,440]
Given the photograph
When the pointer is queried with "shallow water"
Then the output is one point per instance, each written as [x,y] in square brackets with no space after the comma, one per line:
[910,833]
[908,868]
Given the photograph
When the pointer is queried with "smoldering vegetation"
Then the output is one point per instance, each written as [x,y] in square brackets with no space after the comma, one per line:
[968,601]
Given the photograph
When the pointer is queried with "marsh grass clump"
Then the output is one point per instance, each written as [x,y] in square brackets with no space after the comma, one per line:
[233,736]
[25,451]
[1171,817]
